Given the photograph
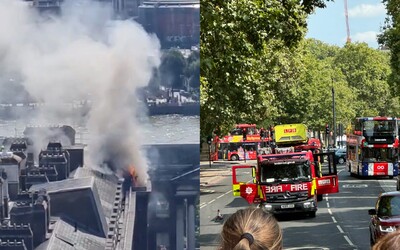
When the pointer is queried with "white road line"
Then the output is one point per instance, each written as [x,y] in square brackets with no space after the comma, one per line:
[334,220]
[340,229]
[348,240]
[327,205]
[329,211]
[211,201]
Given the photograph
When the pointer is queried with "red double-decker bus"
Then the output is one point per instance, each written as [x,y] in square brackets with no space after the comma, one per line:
[373,147]
[237,146]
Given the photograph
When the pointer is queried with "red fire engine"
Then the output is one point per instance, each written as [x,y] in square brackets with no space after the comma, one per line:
[288,181]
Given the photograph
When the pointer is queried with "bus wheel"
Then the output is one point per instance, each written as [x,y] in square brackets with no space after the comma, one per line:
[234,157]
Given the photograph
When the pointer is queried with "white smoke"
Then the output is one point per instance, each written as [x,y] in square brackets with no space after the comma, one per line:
[82,55]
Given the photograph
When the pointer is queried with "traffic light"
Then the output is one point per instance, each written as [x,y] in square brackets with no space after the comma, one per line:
[327,129]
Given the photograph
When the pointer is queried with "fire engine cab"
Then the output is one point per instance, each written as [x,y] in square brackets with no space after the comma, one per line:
[288,181]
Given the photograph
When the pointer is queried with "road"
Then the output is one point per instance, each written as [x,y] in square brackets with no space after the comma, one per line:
[341,222]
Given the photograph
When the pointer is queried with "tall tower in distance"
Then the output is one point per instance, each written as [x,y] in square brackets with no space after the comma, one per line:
[347,22]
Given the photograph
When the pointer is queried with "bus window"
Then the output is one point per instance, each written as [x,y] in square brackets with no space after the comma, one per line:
[379,155]
[351,153]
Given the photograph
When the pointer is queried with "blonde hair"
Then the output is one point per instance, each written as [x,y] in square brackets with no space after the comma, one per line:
[390,241]
[261,225]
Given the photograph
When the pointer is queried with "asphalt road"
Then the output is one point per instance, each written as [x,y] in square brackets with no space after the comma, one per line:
[341,222]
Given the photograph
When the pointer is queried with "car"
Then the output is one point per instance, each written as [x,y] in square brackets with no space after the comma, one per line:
[385,217]
[340,155]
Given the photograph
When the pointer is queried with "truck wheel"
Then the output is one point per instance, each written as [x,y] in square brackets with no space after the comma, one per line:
[319,197]
[234,157]
[341,161]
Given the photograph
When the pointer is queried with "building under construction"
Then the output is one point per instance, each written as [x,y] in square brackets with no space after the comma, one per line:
[54,201]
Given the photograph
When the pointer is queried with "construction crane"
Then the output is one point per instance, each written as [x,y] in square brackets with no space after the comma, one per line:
[347,21]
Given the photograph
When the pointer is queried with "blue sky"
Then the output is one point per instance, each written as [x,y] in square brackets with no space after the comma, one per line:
[366,17]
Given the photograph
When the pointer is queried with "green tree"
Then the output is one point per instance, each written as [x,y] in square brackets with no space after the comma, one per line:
[367,72]
[320,76]
[172,69]
[390,39]
[193,73]
[237,39]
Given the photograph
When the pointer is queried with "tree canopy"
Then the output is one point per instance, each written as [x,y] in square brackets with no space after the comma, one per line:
[261,69]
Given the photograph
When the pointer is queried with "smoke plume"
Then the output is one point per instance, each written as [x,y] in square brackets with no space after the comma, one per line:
[82,55]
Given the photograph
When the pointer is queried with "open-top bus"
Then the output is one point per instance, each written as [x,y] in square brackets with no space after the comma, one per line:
[236,146]
[373,147]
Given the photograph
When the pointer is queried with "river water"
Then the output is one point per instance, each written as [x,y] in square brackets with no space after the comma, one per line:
[163,129]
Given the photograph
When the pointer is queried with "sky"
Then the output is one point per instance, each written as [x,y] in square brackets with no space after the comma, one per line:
[366,17]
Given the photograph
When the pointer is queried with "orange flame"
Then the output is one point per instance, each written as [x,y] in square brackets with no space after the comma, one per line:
[132,172]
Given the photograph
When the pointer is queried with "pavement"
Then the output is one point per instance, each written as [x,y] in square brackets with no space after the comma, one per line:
[212,172]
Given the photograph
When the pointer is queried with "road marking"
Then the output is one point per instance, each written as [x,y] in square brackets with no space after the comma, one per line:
[334,220]
[354,186]
[348,240]
[329,211]
[327,205]
[340,229]
[211,201]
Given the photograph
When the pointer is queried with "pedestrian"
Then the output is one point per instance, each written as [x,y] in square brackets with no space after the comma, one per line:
[390,241]
[251,229]
[219,217]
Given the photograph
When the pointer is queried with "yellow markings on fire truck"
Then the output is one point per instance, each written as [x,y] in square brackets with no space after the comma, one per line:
[236,189]
[260,192]
[313,186]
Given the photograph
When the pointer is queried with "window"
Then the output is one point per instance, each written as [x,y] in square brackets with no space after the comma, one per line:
[278,172]
[378,155]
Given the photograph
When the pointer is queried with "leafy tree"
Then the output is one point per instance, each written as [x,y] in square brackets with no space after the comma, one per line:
[390,39]
[236,40]
[193,73]
[367,72]
[172,69]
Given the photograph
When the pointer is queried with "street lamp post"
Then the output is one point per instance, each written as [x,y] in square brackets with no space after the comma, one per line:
[209,142]
[334,117]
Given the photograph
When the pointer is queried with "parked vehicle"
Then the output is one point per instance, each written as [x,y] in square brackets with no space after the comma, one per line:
[385,217]
[291,179]
[340,155]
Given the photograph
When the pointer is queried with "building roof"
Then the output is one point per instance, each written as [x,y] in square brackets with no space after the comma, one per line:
[79,200]
[64,237]
[106,186]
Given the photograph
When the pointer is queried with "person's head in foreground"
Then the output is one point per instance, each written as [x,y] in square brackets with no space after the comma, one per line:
[390,241]
[251,229]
